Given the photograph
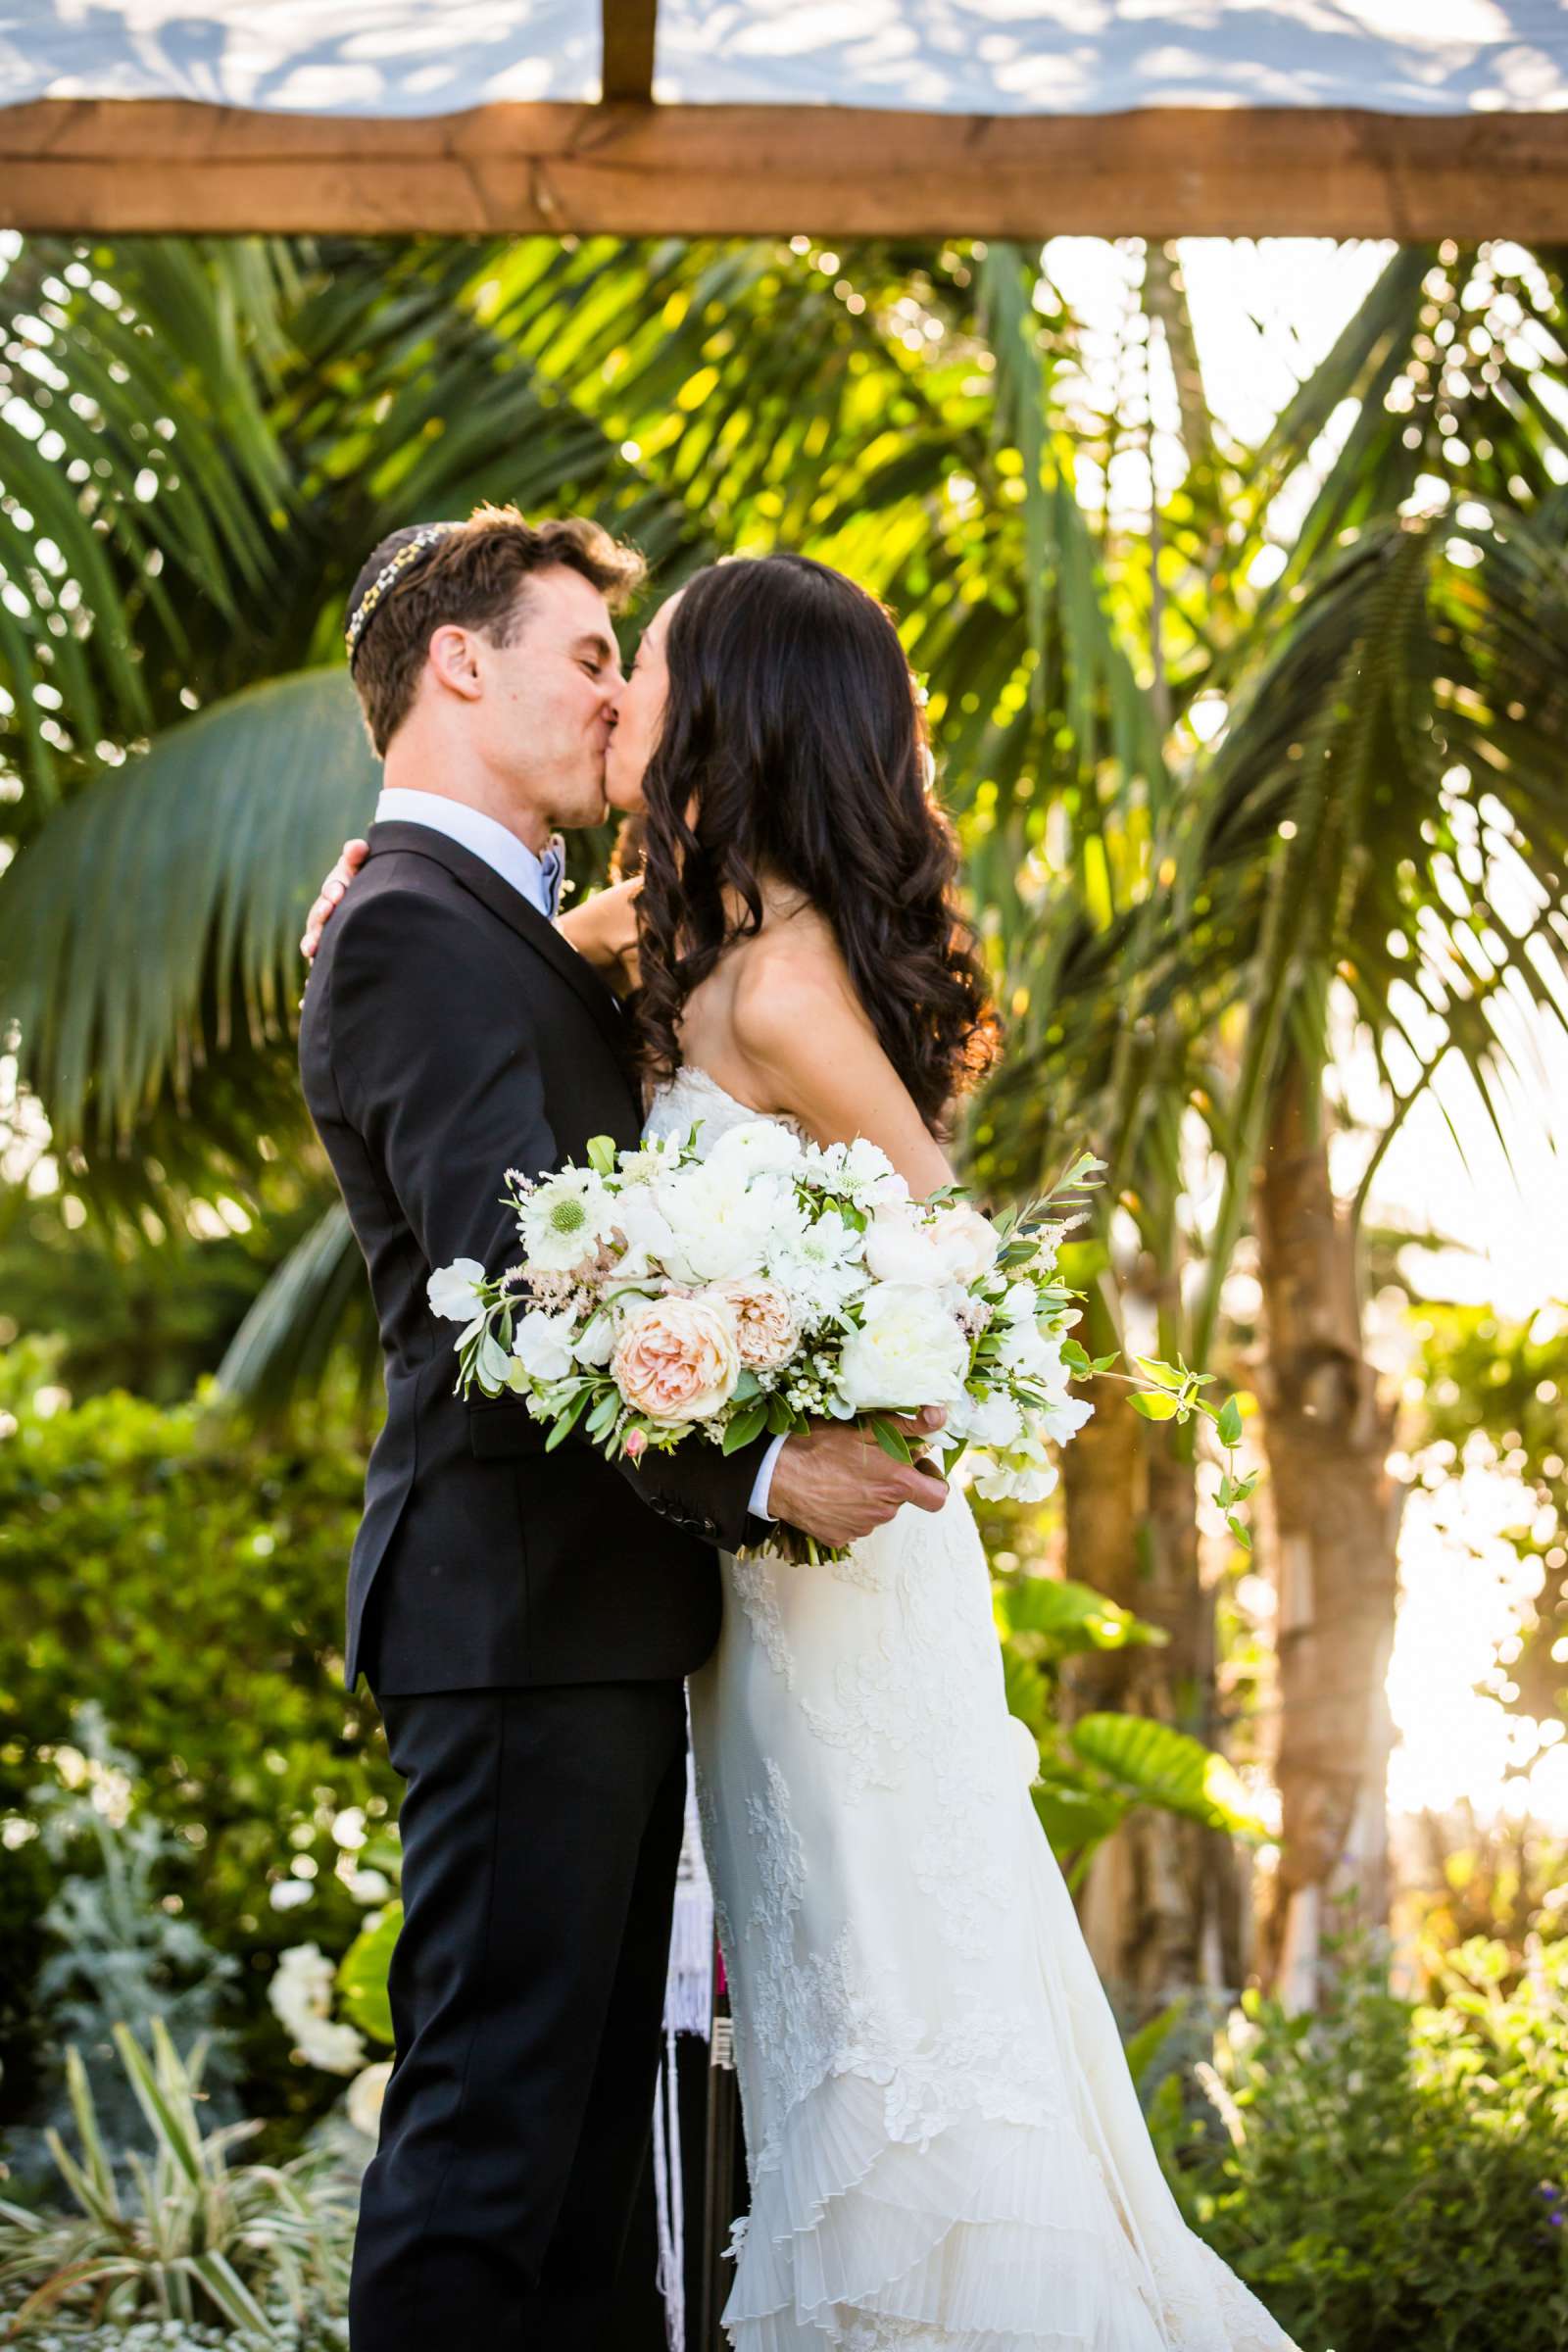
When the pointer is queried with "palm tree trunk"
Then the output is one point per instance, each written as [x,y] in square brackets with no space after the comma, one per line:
[1335,1509]
[1132,1532]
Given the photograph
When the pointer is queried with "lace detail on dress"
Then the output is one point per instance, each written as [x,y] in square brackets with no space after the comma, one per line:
[946,2151]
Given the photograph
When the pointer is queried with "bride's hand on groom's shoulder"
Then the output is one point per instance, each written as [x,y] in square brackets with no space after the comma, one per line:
[355,853]
[834,1481]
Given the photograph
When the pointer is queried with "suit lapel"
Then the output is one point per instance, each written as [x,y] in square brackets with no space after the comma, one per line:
[482,882]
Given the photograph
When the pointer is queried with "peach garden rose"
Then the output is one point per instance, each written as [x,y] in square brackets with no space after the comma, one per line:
[764,1321]
[678,1360]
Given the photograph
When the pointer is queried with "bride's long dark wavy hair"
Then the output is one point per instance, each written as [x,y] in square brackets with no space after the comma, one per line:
[793,746]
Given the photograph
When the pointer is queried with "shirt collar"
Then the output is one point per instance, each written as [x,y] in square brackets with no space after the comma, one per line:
[537,879]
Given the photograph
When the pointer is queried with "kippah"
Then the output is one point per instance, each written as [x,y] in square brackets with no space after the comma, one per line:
[410,547]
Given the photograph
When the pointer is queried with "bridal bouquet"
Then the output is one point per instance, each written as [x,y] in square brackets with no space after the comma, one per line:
[660,1294]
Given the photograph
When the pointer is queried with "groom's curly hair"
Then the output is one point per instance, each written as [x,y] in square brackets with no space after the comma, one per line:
[473,573]
[792,745]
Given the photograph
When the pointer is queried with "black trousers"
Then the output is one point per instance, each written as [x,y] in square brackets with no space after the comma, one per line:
[541,1830]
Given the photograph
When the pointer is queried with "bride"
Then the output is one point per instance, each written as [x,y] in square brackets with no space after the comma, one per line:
[946,2152]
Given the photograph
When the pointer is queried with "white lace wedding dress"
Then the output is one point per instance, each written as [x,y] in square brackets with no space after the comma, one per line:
[945,2148]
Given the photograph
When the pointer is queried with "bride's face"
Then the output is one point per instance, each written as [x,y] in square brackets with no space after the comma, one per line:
[639,714]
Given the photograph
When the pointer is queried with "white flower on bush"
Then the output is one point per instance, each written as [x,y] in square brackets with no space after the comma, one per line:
[565,1219]
[907,1351]
[760,1148]
[364,2096]
[542,1345]
[301,1999]
[453,1290]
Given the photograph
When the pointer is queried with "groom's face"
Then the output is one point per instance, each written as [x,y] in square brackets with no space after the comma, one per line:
[639,716]
[549,699]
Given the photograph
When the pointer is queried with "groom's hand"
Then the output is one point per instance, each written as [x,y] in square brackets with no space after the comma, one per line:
[834,1481]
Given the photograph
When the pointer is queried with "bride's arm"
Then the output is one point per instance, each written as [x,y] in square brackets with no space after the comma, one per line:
[604,931]
[817,1058]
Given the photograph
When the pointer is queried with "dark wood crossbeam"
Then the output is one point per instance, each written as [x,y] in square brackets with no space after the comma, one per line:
[629,29]
[834,173]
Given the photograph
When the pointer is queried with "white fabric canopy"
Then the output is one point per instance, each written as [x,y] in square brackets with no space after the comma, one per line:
[390,58]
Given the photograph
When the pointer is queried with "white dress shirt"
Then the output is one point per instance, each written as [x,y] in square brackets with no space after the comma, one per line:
[538,880]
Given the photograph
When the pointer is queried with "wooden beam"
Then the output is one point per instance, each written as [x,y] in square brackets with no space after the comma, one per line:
[132,165]
[629,31]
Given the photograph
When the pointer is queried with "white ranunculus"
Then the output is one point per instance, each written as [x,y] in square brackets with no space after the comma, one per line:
[454,1290]
[565,1219]
[900,1248]
[760,1148]
[542,1343]
[907,1351]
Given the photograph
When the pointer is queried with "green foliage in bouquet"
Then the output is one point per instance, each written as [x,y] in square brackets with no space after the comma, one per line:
[1388,2176]
[190,1579]
[263,2248]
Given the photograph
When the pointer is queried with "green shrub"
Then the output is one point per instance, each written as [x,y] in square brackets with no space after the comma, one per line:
[189,1579]
[1392,2177]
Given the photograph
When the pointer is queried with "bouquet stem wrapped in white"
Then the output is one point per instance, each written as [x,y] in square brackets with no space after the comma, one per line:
[662,1298]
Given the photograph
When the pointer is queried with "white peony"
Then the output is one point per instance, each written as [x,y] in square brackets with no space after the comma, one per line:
[542,1343]
[909,1351]
[760,1148]
[900,1248]
[565,1219]
[454,1290]
[722,1226]
[965,1241]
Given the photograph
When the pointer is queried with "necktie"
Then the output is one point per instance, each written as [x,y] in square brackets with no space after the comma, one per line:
[552,869]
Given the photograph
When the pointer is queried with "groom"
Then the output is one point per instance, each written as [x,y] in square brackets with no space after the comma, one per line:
[523,1620]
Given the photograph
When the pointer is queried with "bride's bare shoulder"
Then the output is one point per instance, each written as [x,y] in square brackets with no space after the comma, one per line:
[790,974]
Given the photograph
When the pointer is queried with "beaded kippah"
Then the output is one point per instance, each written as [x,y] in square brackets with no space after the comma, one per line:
[412,551]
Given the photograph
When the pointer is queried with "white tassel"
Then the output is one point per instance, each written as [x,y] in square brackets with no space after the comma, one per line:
[668,2197]
[689,1987]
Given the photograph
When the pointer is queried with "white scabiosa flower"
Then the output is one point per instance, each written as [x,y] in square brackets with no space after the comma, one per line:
[564,1218]
[821,1264]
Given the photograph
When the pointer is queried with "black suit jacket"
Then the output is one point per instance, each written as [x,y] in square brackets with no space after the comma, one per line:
[449,1034]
